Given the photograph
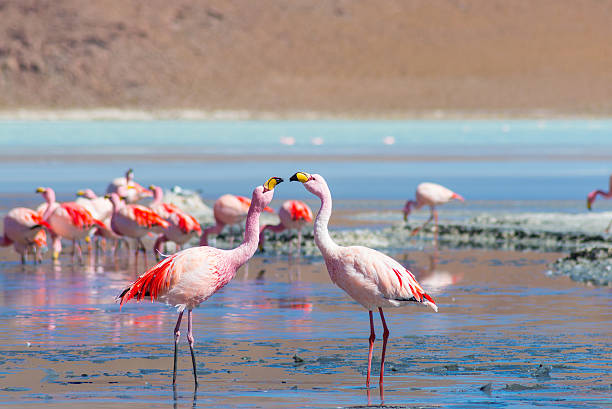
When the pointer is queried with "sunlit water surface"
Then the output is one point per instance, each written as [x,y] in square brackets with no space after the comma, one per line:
[500,319]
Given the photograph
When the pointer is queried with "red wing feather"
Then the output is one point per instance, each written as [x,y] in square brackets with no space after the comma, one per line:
[36,218]
[170,208]
[147,217]
[79,215]
[300,212]
[155,280]
[415,289]
[188,223]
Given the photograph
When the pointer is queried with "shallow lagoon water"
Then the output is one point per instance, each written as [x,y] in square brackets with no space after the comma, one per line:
[281,335]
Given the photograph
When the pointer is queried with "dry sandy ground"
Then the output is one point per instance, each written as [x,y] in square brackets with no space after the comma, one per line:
[395,58]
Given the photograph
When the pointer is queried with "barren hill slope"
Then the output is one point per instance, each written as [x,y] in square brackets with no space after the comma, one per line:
[332,56]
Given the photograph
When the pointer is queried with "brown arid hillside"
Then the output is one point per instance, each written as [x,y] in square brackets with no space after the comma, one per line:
[335,57]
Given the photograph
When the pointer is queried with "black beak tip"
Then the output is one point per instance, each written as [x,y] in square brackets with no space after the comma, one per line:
[294,178]
[279,180]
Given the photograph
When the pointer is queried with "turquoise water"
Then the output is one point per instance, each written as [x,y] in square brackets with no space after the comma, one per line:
[338,137]
[530,160]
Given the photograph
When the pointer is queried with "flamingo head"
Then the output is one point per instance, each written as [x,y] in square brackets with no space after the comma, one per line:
[87,193]
[129,175]
[314,183]
[590,199]
[407,209]
[158,193]
[263,195]
[47,193]
[115,200]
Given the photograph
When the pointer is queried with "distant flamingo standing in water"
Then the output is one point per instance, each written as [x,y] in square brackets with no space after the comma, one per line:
[606,195]
[228,210]
[293,214]
[189,277]
[370,277]
[23,228]
[102,209]
[135,221]
[432,195]
[135,191]
[183,226]
[68,220]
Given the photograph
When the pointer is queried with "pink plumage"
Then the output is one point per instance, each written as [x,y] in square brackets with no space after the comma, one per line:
[181,225]
[371,278]
[293,214]
[23,229]
[606,195]
[191,276]
[228,210]
[68,220]
[432,195]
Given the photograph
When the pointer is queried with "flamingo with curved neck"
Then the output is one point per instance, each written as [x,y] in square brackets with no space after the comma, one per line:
[293,214]
[68,220]
[432,195]
[182,225]
[189,277]
[371,278]
[605,195]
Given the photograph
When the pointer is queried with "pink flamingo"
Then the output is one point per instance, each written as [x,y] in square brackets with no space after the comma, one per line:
[182,227]
[23,228]
[102,209]
[189,277]
[372,278]
[68,220]
[228,210]
[135,192]
[432,195]
[606,195]
[293,214]
[134,220]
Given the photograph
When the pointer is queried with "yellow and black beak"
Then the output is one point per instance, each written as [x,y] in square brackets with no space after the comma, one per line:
[107,196]
[300,177]
[40,190]
[80,193]
[271,183]
[151,187]
[588,204]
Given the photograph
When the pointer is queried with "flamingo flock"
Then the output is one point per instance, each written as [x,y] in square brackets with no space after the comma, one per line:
[190,276]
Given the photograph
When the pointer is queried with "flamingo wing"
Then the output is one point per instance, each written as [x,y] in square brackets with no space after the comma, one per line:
[156,280]
[36,219]
[185,278]
[246,202]
[79,215]
[394,281]
[187,223]
[300,211]
[146,217]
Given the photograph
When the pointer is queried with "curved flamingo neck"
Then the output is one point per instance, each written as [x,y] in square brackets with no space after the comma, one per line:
[158,196]
[5,241]
[603,194]
[273,227]
[321,234]
[50,198]
[245,251]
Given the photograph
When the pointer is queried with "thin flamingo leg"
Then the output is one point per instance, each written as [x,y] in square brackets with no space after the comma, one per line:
[177,335]
[435,214]
[384,349]
[371,347]
[191,340]
[415,231]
